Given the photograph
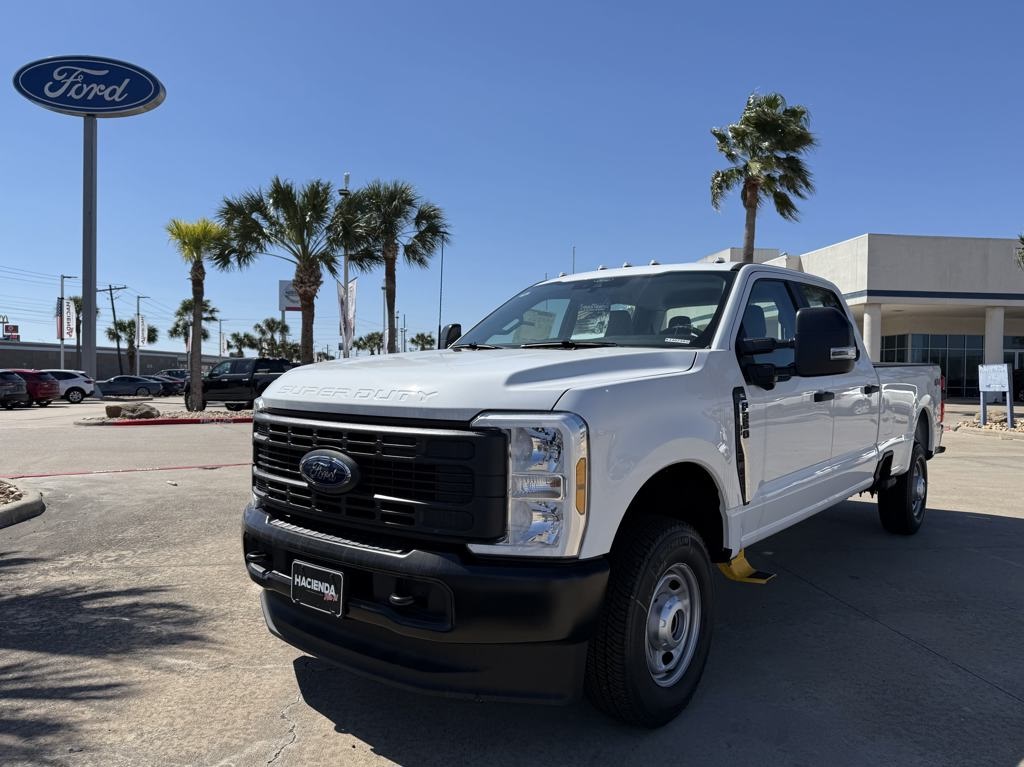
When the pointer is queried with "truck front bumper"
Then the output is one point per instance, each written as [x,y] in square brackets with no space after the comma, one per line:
[438,622]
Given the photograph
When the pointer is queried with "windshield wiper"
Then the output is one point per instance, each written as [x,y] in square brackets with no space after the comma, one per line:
[566,343]
[473,347]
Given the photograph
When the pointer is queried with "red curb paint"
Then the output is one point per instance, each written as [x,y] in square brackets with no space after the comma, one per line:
[174,421]
[126,471]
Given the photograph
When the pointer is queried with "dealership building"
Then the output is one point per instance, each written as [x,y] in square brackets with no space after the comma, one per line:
[954,301]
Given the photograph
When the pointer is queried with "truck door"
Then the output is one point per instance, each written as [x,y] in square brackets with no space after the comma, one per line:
[238,381]
[855,407]
[790,440]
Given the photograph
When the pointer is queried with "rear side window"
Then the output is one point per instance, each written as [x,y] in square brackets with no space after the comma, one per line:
[815,295]
[4,376]
[29,376]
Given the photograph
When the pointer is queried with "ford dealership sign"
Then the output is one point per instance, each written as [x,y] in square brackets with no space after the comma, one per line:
[89,85]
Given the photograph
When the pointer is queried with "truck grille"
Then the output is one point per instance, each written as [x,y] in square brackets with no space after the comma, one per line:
[434,482]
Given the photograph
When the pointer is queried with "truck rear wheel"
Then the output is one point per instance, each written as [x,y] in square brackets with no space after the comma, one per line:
[901,507]
[652,639]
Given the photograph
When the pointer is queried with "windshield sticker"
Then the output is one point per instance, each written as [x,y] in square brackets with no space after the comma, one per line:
[677,340]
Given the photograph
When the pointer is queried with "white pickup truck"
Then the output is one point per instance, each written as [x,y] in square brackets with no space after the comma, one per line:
[537,510]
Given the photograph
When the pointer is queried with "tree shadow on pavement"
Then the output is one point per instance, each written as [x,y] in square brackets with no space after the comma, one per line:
[868,648]
[45,632]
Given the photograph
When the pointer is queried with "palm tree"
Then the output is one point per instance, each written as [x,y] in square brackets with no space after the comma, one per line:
[764,151]
[295,224]
[1018,254]
[423,341]
[124,330]
[371,342]
[182,327]
[395,219]
[197,242]
[242,341]
[267,334]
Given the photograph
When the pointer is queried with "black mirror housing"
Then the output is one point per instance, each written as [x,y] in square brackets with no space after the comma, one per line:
[449,335]
[825,343]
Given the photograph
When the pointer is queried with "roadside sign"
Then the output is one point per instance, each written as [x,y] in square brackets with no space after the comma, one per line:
[11,332]
[141,331]
[287,298]
[995,378]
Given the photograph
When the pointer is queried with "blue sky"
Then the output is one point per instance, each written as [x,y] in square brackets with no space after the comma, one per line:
[536,126]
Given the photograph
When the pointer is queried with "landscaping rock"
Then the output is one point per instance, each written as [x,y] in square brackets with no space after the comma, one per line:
[113,411]
[141,410]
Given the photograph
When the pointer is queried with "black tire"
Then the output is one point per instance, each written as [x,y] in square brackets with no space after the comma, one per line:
[142,391]
[8,406]
[43,402]
[233,406]
[901,507]
[74,396]
[629,676]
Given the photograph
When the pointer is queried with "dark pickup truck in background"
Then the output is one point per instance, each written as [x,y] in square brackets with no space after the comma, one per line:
[238,382]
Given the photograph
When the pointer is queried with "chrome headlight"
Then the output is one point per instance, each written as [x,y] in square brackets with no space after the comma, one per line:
[547,484]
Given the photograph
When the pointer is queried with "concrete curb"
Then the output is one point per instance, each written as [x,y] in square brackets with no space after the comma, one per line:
[990,433]
[30,505]
[164,421]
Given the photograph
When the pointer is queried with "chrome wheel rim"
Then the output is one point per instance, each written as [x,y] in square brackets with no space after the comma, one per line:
[918,488]
[673,625]
[75,396]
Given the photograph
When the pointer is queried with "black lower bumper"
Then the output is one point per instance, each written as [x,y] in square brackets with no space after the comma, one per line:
[6,400]
[436,622]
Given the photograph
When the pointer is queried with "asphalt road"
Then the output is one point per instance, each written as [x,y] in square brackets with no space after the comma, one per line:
[130,634]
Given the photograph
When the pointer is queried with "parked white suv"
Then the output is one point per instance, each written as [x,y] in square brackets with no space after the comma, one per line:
[75,385]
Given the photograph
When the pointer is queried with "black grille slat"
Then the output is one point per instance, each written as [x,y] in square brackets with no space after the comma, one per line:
[448,484]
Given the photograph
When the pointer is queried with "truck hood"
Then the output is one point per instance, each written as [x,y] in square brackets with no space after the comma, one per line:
[458,385]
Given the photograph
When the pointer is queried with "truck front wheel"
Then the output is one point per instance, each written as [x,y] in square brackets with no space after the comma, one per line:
[901,507]
[652,640]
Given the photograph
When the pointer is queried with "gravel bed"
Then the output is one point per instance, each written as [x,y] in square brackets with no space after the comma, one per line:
[998,423]
[205,416]
[9,493]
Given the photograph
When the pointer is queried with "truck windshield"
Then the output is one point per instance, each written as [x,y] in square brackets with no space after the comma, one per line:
[667,309]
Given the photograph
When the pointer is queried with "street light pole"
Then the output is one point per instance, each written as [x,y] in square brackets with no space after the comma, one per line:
[384,319]
[60,313]
[346,331]
[139,340]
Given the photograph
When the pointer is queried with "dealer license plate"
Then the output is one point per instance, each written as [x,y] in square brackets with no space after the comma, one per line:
[317,587]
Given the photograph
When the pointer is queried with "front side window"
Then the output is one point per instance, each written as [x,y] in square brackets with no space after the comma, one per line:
[222,369]
[770,313]
[815,295]
[666,309]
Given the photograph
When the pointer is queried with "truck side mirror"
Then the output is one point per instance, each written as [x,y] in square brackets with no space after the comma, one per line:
[449,335]
[825,342]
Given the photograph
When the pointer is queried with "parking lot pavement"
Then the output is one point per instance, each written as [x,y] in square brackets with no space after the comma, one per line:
[130,635]
[60,412]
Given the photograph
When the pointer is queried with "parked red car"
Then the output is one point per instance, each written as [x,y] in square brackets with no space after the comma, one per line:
[42,387]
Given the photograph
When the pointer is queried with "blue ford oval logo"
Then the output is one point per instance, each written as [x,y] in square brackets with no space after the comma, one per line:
[89,85]
[329,471]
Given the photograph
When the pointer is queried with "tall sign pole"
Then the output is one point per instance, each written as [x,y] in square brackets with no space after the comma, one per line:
[89,87]
[88,362]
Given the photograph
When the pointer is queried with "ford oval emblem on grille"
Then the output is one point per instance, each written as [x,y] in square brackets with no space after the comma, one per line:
[329,471]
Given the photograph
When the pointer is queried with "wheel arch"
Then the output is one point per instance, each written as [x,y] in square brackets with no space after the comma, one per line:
[688,492]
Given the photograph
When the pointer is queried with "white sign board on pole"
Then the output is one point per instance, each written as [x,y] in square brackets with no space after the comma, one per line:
[287,298]
[994,377]
[141,331]
[66,329]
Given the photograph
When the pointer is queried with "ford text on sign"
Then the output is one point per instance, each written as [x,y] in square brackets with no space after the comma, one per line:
[89,85]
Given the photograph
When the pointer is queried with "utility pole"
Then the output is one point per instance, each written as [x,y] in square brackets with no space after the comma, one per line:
[574,259]
[139,340]
[117,338]
[404,330]
[220,338]
[384,319]
[60,314]
[346,331]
